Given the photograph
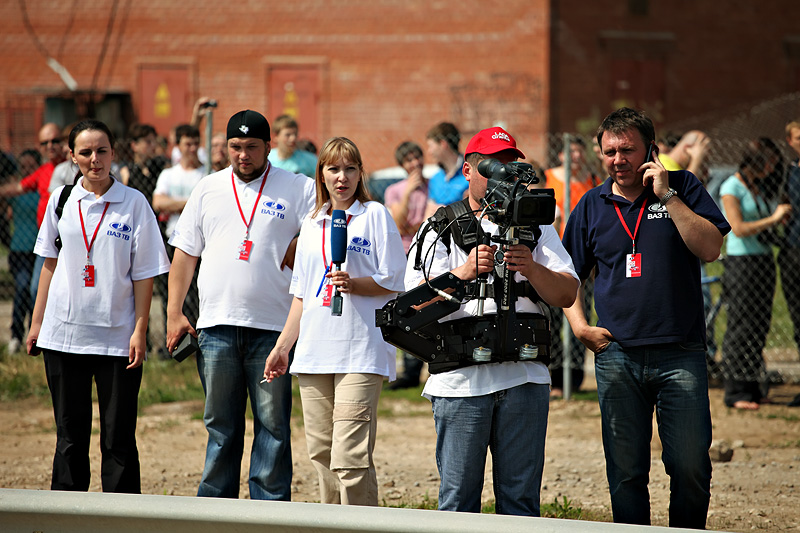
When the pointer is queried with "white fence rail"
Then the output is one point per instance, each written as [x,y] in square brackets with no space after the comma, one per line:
[27,511]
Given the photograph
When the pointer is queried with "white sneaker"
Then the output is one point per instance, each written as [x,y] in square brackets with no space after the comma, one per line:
[14,345]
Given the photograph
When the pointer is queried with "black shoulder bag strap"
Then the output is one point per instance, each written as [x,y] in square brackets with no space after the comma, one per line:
[62,200]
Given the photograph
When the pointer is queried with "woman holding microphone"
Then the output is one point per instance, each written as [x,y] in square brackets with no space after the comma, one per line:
[91,312]
[341,361]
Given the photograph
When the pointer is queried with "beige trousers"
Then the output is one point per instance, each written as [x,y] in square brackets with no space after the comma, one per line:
[340,417]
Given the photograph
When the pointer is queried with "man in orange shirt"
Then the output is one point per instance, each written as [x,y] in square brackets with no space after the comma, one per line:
[51,146]
[581,178]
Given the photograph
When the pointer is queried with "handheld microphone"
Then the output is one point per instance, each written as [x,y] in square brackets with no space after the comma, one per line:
[338,253]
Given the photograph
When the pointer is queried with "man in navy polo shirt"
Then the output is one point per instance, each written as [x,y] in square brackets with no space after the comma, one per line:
[646,230]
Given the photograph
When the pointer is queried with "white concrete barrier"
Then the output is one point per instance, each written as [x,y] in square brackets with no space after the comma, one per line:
[29,511]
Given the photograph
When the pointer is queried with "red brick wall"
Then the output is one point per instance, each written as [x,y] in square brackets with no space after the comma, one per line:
[389,70]
[721,55]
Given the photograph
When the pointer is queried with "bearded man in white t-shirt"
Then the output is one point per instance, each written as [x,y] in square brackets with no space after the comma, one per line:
[241,221]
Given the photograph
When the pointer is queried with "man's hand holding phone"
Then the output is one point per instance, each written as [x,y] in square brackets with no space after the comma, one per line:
[654,173]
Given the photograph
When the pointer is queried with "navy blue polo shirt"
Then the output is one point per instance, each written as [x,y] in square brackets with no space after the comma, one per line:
[665,304]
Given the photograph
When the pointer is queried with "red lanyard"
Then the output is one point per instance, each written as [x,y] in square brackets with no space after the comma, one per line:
[324,258]
[624,225]
[255,205]
[83,230]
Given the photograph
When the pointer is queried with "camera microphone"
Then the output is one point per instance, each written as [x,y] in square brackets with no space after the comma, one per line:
[338,253]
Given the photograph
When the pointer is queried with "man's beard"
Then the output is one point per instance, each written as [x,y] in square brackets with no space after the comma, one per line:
[255,174]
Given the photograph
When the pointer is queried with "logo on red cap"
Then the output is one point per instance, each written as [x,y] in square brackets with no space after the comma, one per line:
[491,141]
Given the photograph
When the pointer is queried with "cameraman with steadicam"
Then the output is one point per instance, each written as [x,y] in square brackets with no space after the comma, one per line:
[501,405]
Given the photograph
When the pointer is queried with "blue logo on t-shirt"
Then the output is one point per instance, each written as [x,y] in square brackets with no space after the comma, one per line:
[119,230]
[273,209]
[269,204]
[360,245]
[119,226]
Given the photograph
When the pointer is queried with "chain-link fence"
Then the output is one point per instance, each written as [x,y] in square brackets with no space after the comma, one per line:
[762,304]
[755,295]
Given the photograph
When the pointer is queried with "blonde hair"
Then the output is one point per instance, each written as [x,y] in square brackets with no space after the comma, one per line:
[335,150]
[793,125]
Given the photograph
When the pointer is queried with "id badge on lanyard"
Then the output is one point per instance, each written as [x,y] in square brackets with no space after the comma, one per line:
[244,250]
[633,260]
[325,288]
[633,266]
[87,274]
[246,246]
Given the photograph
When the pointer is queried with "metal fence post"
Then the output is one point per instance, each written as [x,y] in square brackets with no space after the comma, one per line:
[566,338]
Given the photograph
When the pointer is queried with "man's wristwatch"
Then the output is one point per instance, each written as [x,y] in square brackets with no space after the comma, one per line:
[664,199]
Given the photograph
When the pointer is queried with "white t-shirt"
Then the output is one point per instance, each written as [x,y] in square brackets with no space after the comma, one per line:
[128,247]
[177,183]
[350,343]
[234,292]
[478,380]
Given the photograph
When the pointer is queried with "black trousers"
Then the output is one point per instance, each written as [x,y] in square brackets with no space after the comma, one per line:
[789,263]
[69,377]
[749,286]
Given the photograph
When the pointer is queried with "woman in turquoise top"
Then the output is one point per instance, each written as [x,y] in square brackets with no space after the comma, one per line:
[749,280]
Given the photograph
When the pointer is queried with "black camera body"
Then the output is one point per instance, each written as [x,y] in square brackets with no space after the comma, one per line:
[512,203]
[210,103]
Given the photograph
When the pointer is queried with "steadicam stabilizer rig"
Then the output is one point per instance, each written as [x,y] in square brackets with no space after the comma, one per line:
[411,320]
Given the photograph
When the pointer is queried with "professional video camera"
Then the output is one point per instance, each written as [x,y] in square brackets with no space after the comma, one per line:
[411,321]
[508,192]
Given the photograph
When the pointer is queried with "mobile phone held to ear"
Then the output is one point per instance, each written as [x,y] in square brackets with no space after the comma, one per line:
[652,152]
[186,346]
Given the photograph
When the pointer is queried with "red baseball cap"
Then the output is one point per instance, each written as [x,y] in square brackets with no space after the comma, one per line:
[491,141]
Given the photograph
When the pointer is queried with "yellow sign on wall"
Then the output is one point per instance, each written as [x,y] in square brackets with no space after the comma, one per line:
[162,106]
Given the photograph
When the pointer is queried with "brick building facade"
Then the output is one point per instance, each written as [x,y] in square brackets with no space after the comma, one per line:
[382,72]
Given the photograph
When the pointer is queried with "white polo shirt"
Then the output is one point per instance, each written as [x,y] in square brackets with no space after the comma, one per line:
[350,343]
[177,183]
[478,380]
[100,319]
[234,292]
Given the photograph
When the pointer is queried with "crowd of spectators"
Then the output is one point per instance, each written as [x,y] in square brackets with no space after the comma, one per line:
[210,272]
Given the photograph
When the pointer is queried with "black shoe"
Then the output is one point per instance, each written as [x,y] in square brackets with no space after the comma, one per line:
[403,383]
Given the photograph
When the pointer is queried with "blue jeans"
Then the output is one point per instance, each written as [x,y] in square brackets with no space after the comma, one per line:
[672,379]
[513,424]
[231,365]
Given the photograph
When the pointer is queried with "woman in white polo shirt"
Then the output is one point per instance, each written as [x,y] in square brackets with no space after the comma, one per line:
[341,361]
[90,317]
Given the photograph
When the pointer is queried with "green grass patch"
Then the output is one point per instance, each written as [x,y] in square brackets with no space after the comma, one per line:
[412,394]
[778,416]
[168,381]
[564,508]
[22,376]
[427,503]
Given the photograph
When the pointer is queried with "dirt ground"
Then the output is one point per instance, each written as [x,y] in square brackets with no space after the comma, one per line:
[759,489]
